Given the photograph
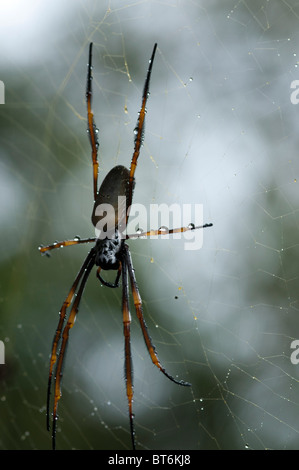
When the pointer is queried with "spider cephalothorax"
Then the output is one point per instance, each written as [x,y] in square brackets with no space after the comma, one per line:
[108,252]
[110,215]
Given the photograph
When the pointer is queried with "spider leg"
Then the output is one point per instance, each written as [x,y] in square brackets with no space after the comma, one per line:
[166,231]
[57,335]
[138,306]
[92,128]
[108,284]
[139,129]
[76,241]
[64,335]
[128,354]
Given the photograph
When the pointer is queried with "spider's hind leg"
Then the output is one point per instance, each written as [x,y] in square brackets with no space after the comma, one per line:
[138,306]
[61,337]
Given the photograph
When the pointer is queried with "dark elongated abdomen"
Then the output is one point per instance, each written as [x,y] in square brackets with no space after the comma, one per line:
[111,204]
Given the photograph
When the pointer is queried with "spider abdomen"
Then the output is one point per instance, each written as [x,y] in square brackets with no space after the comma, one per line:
[110,207]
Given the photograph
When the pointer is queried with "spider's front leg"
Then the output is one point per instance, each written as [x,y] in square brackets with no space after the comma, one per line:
[91,126]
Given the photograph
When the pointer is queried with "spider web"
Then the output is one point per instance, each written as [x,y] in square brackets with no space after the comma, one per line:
[221,130]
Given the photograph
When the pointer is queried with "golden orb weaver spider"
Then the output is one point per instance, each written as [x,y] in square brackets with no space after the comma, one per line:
[109,252]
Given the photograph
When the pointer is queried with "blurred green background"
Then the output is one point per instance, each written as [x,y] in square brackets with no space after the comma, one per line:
[220,131]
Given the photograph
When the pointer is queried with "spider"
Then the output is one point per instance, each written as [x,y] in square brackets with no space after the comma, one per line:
[110,252]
